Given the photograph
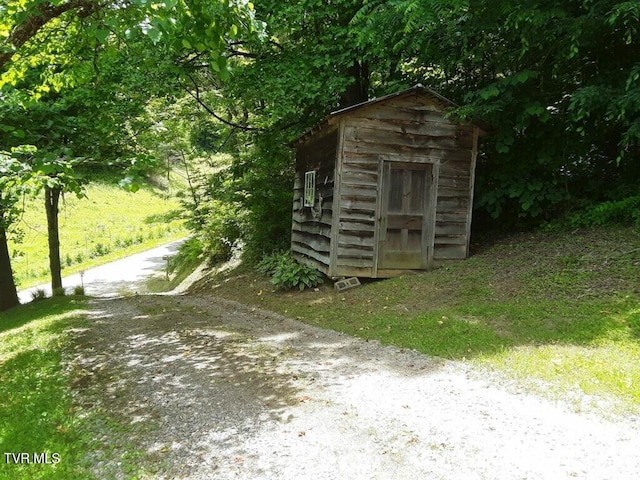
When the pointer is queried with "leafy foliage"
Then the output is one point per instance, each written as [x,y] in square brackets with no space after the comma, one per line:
[621,212]
[287,273]
[76,76]
[562,106]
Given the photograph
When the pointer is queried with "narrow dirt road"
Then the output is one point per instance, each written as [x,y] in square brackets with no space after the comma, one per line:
[212,389]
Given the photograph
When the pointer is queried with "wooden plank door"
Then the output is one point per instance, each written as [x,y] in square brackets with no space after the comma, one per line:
[407,216]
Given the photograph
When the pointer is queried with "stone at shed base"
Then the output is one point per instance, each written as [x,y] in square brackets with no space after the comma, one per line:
[346,284]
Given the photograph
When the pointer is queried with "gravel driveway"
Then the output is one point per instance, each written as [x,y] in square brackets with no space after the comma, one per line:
[215,390]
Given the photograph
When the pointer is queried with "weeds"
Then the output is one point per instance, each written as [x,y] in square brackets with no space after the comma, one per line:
[38,295]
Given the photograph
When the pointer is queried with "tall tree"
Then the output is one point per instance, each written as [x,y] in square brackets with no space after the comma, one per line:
[10,172]
[41,64]
[558,81]
[308,65]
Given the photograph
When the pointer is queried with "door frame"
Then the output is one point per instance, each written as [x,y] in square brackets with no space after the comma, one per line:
[428,220]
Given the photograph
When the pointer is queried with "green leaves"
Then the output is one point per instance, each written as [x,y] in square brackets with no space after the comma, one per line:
[286,273]
[489,92]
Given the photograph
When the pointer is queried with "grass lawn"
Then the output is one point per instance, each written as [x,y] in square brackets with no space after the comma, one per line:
[108,224]
[560,311]
[36,410]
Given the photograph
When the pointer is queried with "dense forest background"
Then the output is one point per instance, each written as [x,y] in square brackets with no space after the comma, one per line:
[219,89]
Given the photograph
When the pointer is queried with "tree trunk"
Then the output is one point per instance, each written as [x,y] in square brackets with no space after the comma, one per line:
[52,196]
[358,90]
[8,293]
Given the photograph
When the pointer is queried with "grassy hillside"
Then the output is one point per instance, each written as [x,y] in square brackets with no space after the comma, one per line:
[109,223]
[561,308]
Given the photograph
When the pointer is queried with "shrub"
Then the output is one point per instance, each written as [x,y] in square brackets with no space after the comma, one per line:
[219,229]
[59,292]
[78,290]
[189,252]
[269,263]
[286,273]
[100,250]
[38,295]
[621,212]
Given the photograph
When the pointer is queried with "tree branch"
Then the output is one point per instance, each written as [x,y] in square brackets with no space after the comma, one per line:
[209,110]
[44,13]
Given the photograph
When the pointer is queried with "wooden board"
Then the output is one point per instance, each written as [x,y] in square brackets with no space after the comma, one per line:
[406,220]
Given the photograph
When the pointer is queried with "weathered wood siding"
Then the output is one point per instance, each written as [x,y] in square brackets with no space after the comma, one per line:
[311,228]
[455,197]
[406,129]
[355,224]
[344,235]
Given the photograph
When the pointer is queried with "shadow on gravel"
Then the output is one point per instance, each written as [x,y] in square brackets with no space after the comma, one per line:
[190,380]
[177,356]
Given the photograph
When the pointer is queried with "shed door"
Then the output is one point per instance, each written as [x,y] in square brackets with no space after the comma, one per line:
[407,216]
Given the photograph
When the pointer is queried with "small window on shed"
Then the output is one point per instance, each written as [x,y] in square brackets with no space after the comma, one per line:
[309,189]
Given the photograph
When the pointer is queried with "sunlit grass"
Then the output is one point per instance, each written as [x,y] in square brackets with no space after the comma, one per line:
[563,310]
[608,364]
[108,224]
[36,409]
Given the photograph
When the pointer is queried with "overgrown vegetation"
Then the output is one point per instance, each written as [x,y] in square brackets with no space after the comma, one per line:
[620,212]
[559,307]
[179,266]
[561,109]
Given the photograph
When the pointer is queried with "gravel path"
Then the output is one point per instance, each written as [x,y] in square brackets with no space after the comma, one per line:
[217,390]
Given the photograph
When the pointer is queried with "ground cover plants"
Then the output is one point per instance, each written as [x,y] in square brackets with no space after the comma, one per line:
[37,415]
[108,224]
[561,308]
[66,436]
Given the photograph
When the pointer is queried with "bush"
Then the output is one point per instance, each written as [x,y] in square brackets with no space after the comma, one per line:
[78,290]
[219,229]
[38,295]
[287,273]
[59,292]
[269,263]
[621,212]
[100,250]
[189,253]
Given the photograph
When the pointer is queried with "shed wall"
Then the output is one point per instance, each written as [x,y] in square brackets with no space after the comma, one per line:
[311,228]
[407,129]
[340,236]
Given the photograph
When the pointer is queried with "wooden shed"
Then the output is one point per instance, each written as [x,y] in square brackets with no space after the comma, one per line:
[384,187]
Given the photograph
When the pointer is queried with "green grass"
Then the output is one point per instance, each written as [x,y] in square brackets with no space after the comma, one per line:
[36,409]
[562,309]
[181,265]
[110,223]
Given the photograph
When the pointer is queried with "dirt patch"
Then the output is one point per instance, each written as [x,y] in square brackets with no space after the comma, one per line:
[210,389]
